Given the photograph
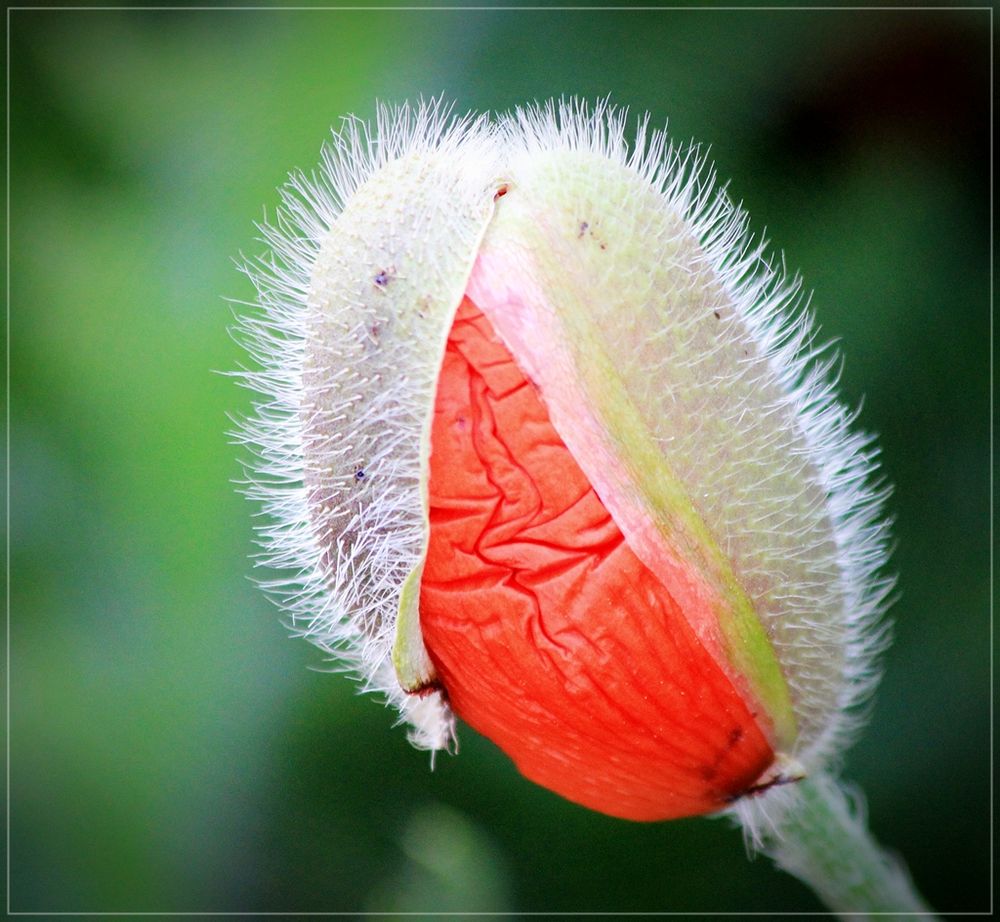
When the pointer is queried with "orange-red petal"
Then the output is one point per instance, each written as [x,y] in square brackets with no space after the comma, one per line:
[548,634]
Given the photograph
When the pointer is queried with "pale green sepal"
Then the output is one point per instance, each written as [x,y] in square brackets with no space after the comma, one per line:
[386,284]
[413,666]
[600,289]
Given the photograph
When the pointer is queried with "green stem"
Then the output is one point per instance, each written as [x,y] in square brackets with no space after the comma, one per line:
[813,831]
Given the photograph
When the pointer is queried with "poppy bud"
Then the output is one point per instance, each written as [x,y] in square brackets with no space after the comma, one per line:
[549,445]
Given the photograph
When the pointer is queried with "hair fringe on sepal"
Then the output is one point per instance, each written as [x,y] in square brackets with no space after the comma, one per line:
[318,598]
[772,309]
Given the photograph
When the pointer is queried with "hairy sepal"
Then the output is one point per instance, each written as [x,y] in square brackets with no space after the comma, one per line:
[371,259]
[385,288]
[660,340]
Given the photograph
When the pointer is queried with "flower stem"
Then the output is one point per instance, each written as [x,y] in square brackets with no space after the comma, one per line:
[821,837]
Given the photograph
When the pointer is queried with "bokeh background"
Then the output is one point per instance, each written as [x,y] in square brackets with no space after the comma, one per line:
[170,748]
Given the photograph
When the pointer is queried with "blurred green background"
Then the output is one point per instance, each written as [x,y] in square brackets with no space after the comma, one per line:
[170,749]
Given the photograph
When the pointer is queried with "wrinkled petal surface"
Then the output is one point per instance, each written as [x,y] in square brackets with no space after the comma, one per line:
[551,637]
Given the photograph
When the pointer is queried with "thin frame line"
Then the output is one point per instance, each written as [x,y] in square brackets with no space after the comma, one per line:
[277,8]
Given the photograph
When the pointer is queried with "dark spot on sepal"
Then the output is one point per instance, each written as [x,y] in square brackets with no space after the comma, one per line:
[755,790]
[428,688]
[584,229]
[783,770]
[383,277]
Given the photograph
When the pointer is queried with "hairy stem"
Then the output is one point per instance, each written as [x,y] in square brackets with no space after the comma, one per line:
[819,835]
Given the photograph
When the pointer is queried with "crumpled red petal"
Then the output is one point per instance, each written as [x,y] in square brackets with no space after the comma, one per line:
[548,634]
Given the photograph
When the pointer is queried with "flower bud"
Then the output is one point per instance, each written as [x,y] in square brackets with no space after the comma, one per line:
[548,445]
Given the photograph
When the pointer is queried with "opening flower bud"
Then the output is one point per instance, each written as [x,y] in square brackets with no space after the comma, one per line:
[549,446]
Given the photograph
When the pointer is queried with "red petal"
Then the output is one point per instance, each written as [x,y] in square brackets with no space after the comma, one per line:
[549,635]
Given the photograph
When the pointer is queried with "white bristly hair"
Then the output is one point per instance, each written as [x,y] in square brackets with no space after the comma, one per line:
[837,459]
[835,456]
[339,560]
